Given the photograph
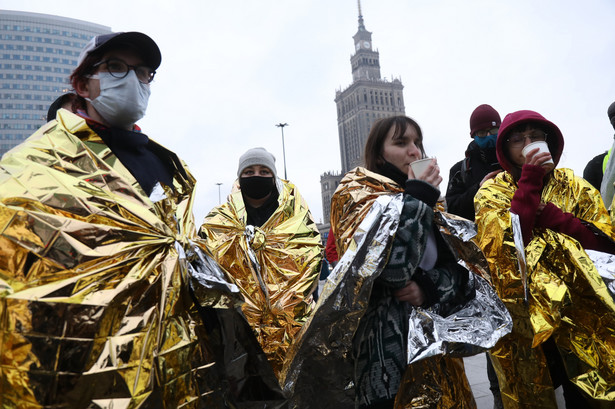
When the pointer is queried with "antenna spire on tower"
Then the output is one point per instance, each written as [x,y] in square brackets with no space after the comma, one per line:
[361,25]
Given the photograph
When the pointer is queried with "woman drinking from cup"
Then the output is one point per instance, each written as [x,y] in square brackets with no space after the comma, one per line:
[419,270]
[534,224]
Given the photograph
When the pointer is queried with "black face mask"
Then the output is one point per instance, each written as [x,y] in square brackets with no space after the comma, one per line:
[256,187]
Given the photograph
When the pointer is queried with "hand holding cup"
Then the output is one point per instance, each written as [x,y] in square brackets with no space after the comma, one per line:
[426,170]
[537,153]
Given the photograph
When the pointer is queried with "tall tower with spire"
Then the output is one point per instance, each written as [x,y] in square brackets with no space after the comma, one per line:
[365,62]
[367,99]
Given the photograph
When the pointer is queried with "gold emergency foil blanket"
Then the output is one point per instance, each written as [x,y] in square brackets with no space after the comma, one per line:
[567,298]
[276,266]
[94,307]
[319,372]
[426,388]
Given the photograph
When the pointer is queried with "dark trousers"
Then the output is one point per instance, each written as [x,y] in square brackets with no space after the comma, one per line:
[573,396]
[494,386]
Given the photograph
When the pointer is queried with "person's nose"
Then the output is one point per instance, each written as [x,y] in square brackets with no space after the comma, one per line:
[413,150]
[526,140]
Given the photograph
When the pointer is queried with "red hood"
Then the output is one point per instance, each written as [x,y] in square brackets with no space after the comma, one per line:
[555,140]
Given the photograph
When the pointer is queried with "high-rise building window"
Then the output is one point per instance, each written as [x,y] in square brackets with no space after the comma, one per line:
[55,35]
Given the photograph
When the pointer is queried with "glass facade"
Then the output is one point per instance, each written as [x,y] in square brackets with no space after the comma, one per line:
[37,54]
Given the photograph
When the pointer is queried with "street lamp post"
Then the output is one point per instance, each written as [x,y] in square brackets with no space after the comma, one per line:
[219,200]
[281,126]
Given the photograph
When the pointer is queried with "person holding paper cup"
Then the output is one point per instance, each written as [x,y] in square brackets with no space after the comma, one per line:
[420,269]
[535,223]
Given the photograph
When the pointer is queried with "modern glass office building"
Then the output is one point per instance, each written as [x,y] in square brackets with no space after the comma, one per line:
[37,54]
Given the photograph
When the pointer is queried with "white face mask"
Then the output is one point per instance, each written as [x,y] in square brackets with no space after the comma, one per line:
[122,101]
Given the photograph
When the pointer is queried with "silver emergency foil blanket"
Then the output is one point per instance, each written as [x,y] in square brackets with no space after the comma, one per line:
[605,264]
[320,367]
[475,328]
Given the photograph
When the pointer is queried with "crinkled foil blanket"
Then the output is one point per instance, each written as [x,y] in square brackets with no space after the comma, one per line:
[98,282]
[95,308]
[276,265]
[559,295]
[319,370]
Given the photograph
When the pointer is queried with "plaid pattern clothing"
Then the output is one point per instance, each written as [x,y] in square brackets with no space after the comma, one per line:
[380,341]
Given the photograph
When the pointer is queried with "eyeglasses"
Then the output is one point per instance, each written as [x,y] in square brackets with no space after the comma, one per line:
[483,133]
[119,69]
[517,139]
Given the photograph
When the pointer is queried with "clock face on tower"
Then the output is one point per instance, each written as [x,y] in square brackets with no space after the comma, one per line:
[357,46]
[366,44]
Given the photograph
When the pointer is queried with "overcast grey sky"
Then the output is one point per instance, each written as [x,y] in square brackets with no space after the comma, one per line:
[233,69]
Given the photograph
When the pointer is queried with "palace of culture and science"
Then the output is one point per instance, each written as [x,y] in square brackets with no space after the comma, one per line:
[368,98]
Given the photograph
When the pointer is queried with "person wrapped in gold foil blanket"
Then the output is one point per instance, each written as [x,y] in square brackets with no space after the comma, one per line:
[356,348]
[96,251]
[264,236]
[535,224]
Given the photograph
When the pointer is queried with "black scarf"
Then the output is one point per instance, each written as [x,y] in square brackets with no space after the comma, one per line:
[392,172]
[147,164]
[257,216]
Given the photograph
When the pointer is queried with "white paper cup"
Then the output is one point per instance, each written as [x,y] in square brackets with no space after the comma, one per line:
[419,166]
[542,145]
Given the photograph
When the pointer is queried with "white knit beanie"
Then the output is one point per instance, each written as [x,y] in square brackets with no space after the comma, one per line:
[257,156]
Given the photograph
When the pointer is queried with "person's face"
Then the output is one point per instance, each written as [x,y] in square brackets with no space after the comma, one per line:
[257,170]
[404,150]
[92,87]
[89,88]
[483,133]
[519,139]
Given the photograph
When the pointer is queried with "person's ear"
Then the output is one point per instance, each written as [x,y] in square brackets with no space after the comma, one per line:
[81,88]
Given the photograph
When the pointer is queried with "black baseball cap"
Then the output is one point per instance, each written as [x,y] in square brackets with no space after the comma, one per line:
[139,41]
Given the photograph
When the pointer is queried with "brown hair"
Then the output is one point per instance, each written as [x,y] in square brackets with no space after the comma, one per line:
[80,75]
[374,146]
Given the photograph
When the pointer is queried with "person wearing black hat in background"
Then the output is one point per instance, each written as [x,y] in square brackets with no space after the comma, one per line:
[467,176]
[64,101]
[594,171]
[479,165]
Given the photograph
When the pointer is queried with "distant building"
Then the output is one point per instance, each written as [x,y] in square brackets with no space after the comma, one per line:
[328,184]
[37,54]
[368,98]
